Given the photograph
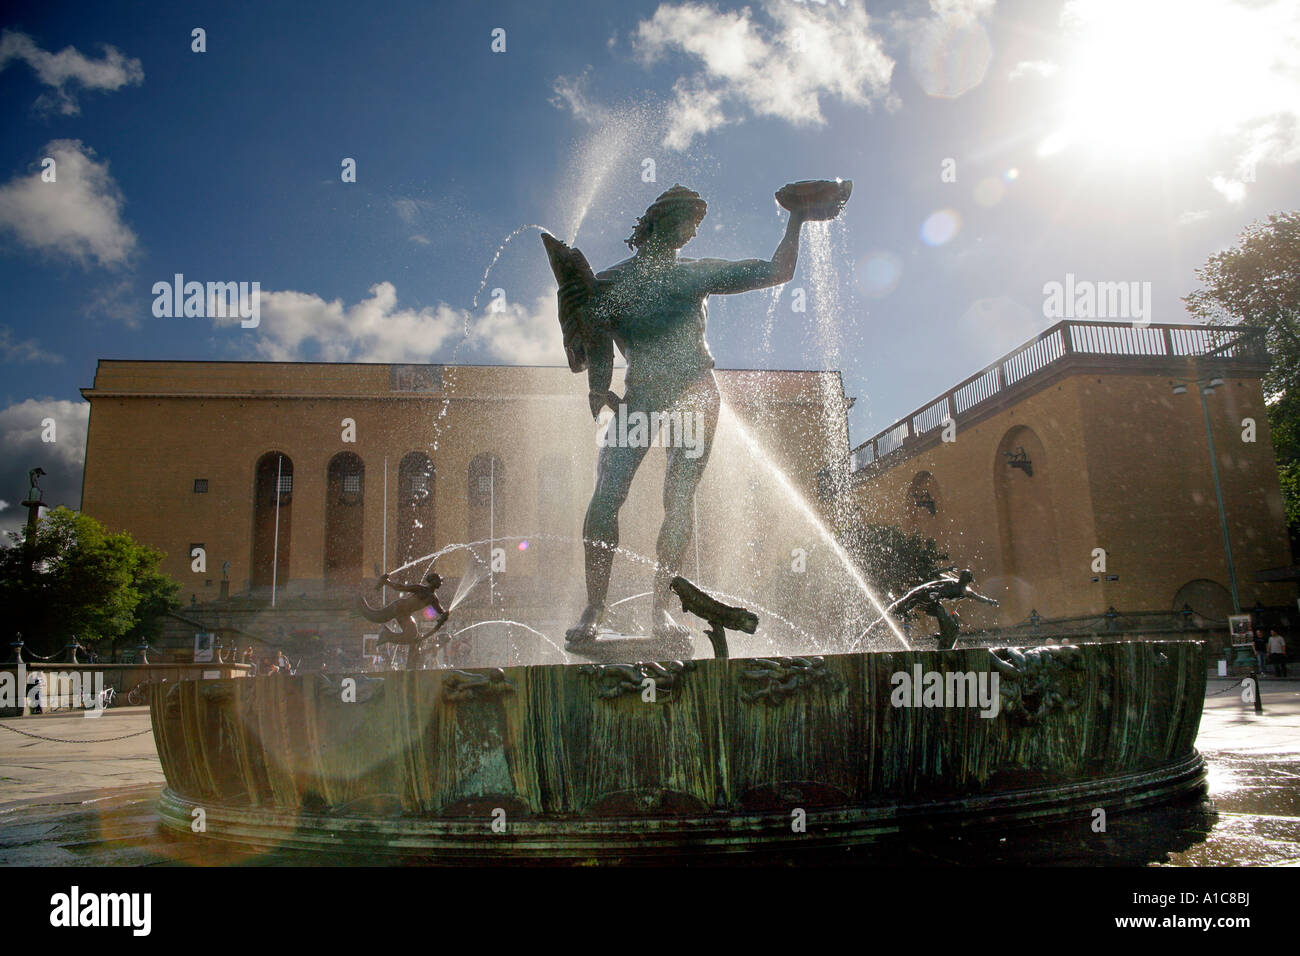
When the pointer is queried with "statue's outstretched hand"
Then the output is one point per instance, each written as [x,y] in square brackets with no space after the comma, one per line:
[597,401]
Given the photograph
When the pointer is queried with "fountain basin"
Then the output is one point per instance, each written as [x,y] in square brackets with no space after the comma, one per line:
[575,762]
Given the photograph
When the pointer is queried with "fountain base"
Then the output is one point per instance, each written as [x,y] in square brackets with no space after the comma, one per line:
[612,648]
[562,762]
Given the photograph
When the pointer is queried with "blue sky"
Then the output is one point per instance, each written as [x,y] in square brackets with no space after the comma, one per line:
[1114,141]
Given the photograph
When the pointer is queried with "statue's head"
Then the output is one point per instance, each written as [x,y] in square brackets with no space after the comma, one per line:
[966,577]
[671,220]
[433,580]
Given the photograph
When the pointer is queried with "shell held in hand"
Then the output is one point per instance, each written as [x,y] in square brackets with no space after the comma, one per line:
[816,199]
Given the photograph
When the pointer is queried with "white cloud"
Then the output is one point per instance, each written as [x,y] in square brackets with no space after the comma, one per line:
[299,325]
[571,94]
[68,68]
[28,350]
[1193,215]
[79,215]
[1040,68]
[1233,190]
[783,68]
[696,110]
[21,449]
[521,336]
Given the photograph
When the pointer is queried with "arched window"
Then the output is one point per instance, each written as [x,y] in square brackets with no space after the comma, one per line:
[556,518]
[1208,600]
[272,519]
[415,506]
[345,492]
[486,475]
[484,521]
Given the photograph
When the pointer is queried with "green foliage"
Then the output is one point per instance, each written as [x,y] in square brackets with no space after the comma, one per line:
[893,560]
[1257,283]
[79,579]
[1288,474]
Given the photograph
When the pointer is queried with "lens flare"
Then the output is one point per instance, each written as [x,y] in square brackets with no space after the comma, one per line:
[940,227]
[879,272]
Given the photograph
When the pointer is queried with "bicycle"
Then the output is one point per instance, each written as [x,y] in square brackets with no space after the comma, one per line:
[141,692]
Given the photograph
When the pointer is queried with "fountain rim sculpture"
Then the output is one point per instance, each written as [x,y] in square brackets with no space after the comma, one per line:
[1156,689]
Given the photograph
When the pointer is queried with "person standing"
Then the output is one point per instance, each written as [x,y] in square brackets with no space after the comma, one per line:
[1277,653]
[1261,647]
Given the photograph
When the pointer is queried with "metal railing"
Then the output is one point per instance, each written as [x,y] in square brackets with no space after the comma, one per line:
[1118,341]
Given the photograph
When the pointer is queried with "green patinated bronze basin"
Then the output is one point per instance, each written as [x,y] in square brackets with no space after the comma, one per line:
[578,762]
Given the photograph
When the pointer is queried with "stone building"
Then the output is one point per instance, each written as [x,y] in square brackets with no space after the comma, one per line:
[294,483]
[1074,475]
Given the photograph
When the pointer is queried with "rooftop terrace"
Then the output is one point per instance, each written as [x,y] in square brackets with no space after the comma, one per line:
[1068,346]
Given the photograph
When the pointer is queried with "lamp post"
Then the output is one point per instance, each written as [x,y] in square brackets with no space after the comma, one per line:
[1207,386]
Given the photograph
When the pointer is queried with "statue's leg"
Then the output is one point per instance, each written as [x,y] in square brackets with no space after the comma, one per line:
[615,468]
[410,631]
[686,463]
[380,615]
[947,627]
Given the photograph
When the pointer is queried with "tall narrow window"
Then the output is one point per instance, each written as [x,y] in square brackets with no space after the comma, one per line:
[486,494]
[344,518]
[272,519]
[415,507]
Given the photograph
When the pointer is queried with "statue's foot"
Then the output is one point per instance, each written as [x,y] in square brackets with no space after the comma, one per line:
[588,626]
[664,628]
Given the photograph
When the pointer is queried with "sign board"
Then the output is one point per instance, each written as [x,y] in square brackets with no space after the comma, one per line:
[203,645]
[1239,625]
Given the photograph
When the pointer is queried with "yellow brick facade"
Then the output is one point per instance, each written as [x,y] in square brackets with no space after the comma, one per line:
[155,427]
[1120,463]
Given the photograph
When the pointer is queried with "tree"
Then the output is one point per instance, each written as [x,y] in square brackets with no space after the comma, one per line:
[893,560]
[77,578]
[1257,284]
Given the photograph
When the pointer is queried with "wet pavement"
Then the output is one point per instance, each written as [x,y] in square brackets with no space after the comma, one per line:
[92,803]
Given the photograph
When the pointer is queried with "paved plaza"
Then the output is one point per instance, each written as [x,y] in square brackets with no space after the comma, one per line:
[92,802]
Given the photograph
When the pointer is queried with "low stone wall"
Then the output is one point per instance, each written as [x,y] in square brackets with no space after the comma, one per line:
[723,755]
[120,677]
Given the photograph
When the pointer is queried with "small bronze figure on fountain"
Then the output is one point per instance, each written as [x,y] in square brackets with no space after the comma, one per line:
[927,597]
[652,306]
[411,601]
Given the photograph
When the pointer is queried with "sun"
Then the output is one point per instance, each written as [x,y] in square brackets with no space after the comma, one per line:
[1147,79]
